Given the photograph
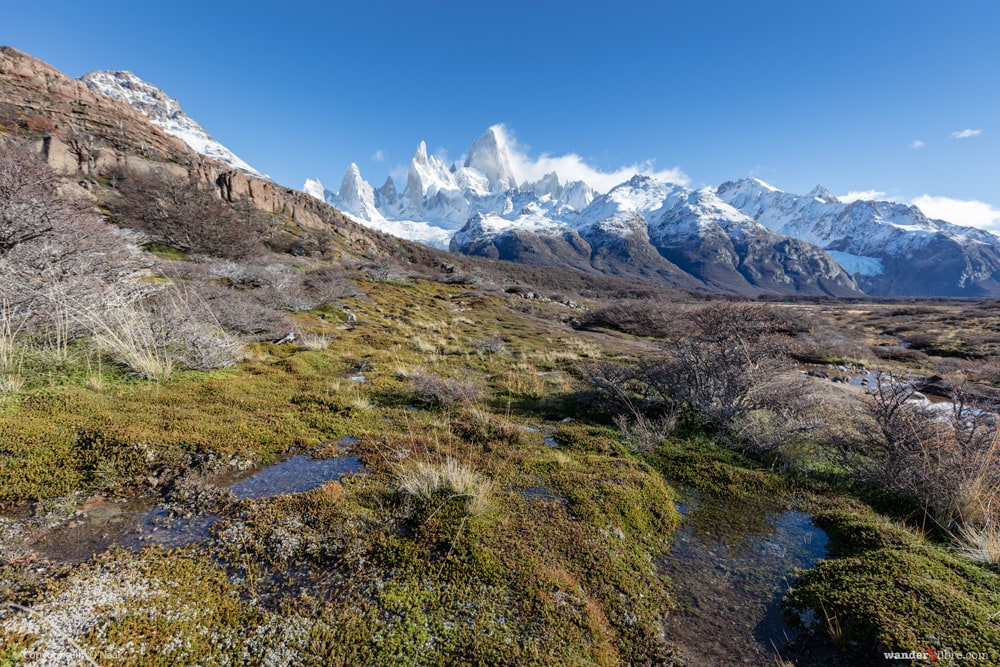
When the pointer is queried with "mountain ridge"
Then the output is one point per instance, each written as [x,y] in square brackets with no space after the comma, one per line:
[869,246]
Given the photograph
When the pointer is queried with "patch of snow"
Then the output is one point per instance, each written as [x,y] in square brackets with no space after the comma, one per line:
[164,112]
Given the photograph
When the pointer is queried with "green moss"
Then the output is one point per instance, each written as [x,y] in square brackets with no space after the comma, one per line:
[357,572]
[164,251]
[587,437]
[887,590]
[707,467]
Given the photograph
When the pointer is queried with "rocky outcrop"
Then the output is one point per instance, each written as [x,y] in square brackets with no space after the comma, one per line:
[40,100]
[80,132]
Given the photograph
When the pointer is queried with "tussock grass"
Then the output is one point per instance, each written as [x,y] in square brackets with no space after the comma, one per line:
[980,542]
[129,333]
[313,341]
[424,479]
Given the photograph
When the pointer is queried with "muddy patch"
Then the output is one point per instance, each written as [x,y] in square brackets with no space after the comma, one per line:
[99,524]
[730,564]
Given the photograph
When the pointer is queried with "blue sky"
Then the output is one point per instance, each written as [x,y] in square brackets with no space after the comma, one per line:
[900,97]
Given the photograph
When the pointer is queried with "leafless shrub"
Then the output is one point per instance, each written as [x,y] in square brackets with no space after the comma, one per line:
[327,285]
[433,389]
[184,214]
[644,434]
[55,252]
[384,271]
[241,312]
[733,364]
[639,317]
[492,344]
[946,460]
[630,390]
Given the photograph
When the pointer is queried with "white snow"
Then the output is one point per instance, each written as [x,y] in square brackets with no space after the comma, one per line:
[314,188]
[164,112]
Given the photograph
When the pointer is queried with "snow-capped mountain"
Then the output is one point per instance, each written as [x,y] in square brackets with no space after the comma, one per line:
[439,198]
[164,112]
[650,229]
[891,248]
[745,236]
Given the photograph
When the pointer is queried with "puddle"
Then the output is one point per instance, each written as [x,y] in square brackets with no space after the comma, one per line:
[541,493]
[295,475]
[141,522]
[551,442]
[131,524]
[357,378]
[731,562]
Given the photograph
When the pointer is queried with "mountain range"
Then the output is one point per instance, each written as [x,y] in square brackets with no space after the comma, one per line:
[744,237]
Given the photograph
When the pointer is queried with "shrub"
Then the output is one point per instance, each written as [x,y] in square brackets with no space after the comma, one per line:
[639,317]
[630,390]
[431,388]
[184,214]
[946,461]
[328,284]
[149,330]
[732,369]
[56,254]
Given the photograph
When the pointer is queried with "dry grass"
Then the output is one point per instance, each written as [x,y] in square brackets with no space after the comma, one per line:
[11,353]
[130,333]
[314,342]
[423,479]
[980,543]
[427,345]
[360,403]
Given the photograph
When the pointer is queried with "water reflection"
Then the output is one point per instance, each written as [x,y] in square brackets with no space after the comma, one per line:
[730,563]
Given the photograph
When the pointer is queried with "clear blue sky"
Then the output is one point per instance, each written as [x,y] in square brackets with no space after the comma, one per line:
[796,92]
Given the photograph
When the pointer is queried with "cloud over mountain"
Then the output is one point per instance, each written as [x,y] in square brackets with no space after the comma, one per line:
[573,167]
[967,212]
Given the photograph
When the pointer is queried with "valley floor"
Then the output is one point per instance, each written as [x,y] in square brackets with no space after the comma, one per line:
[455,496]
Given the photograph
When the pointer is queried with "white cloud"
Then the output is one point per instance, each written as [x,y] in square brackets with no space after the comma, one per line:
[917,143]
[969,212]
[572,167]
[378,156]
[861,195]
[966,134]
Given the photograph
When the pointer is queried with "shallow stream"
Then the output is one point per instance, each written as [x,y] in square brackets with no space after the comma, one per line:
[731,562]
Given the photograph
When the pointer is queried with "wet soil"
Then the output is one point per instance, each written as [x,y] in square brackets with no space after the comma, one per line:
[98,524]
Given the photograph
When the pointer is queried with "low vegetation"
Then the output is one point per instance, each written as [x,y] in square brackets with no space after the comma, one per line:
[520,456]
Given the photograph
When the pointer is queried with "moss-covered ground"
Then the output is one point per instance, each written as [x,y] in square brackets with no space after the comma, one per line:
[558,568]
[557,565]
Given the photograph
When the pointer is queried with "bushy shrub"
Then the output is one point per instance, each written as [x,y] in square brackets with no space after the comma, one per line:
[433,389]
[725,364]
[945,460]
[185,214]
[56,254]
[640,317]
